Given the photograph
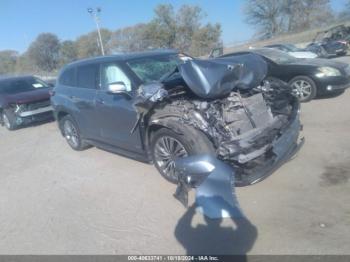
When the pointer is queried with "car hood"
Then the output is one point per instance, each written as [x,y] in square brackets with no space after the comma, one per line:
[303,54]
[218,77]
[26,97]
[321,62]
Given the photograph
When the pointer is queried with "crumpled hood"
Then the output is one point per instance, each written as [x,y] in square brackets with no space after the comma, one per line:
[25,97]
[218,77]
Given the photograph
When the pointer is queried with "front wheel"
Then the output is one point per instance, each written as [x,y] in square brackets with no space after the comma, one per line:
[71,133]
[8,121]
[167,146]
[304,87]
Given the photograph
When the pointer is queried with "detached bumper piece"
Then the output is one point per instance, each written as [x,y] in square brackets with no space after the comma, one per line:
[214,183]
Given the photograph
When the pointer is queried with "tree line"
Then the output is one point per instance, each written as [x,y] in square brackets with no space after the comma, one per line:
[182,29]
[275,17]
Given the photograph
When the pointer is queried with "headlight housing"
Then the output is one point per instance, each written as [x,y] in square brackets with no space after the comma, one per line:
[325,71]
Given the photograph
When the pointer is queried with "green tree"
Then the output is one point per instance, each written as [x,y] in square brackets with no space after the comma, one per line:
[67,53]
[25,65]
[205,39]
[88,45]
[8,59]
[188,22]
[161,31]
[44,51]
[129,39]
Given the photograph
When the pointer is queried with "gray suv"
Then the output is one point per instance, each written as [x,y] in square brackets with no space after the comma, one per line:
[162,105]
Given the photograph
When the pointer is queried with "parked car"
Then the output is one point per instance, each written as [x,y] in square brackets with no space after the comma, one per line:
[293,50]
[161,105]
[23,100]
[308,77]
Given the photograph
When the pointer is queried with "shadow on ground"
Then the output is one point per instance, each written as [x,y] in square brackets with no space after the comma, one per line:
[213,238]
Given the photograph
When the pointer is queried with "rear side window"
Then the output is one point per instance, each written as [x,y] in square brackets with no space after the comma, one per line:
[87,76]
[68,77]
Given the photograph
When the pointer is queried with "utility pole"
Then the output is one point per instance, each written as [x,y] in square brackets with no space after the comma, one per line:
[95,16]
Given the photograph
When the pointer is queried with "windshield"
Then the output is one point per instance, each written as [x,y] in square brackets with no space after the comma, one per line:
[155,68]
[18,85]
[292,48]
[276,56]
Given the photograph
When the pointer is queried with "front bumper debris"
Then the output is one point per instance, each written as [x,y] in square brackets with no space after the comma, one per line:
[213,180]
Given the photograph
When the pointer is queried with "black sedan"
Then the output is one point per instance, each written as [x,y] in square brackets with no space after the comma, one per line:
[308,77]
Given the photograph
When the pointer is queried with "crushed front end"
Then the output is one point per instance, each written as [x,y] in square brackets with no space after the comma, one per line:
[255,131]
[26,113]
[251,120]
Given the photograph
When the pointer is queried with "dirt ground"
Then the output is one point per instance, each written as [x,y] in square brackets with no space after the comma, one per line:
[54,200]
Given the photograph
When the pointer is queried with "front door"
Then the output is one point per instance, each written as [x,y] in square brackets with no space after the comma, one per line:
[116,114]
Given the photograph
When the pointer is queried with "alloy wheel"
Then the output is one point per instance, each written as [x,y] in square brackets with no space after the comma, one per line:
[71,133]
[302,88]
[166,150]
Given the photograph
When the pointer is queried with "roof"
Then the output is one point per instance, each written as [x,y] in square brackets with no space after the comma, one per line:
[124,56]
[7,77]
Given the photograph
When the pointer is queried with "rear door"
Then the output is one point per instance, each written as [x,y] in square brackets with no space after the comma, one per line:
[115,112]
[83,97]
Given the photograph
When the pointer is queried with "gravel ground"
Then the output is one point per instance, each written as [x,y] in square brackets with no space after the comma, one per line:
[57,201]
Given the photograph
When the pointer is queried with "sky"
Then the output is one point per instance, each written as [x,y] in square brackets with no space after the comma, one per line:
[22,20]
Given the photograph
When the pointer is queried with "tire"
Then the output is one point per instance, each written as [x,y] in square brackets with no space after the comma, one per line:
[8,120]
[191,140]
[71,133]
[304,87]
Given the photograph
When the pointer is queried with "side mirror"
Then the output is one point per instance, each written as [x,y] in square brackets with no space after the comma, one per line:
[116,88]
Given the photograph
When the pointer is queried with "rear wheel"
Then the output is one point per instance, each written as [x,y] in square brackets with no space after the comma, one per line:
[71,133]
[304,87]
[167,146]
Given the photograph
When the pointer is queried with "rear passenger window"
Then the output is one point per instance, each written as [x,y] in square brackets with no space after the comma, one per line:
[87,76]
[68,77]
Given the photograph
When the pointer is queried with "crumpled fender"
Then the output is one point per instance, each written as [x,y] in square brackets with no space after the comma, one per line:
[218,77]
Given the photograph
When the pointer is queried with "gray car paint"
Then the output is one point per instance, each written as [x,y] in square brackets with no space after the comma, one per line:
[213,180]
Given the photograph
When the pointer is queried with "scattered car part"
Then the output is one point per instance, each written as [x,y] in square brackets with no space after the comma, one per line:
[214,184]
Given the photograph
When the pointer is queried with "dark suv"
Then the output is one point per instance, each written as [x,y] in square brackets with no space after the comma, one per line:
[161,105]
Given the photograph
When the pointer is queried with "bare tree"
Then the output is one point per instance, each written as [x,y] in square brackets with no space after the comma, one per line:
[273,17]
[265,15]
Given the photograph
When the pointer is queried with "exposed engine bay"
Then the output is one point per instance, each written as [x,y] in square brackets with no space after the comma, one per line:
[252,122]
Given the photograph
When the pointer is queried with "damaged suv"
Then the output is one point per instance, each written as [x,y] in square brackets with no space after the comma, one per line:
[161,105]
[23,100]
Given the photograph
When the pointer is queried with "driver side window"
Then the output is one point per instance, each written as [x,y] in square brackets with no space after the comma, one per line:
[112,73]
